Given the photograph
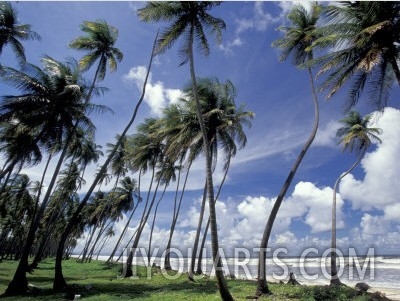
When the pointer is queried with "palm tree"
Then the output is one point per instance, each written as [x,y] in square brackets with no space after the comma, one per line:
[19,203]
[59,281]
[128,190]
[224,124]
[364,36]
[188,19]
[147,151]
[298,38]
[11,32]
[166,174]
[54,95]
[355,135]
[100,40]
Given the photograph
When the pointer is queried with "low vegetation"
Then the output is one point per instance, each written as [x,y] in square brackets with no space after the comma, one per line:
[99,281]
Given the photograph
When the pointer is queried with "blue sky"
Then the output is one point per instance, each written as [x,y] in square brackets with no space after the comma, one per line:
[278,93]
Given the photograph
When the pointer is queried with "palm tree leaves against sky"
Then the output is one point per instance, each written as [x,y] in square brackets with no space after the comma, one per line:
[11,32]
[99,42]
[355,135]
[299,36]
[188,20]
[365,37]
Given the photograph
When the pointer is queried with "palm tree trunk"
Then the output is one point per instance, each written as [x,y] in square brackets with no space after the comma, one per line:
[99,235]
[223,288]
[262,286]
[152,225]
[335,281]
[142,224]
[197,237]
[167,263]
[110,259]
[59,281]
[19,283]
[203,242]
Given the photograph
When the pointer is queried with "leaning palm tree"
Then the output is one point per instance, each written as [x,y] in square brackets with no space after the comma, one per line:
[58,103]
[298,37]
[363,37]
[11,32]
[188,19]
[355,135]
[59,280]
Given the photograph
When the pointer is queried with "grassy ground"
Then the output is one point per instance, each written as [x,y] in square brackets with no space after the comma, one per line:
[98,281]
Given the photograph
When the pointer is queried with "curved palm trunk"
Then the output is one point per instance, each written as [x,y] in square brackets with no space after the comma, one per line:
[262,286]
[102,230]
[59,281]
[167,263]
[140,229]
[19,283]
[110,259]
[223,288]
[335,281]
[197,237]
[199,270]
[152,225]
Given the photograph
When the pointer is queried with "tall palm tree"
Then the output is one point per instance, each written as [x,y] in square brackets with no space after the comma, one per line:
[57,105]
[224,124]
[166,175]
[299,36]
[99,41]
[364,37]
[188,19]
[147,151]
[128,190]
[59,281]
[355,135]
[11,32]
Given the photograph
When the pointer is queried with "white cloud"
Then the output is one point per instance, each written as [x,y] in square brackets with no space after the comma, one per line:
[259,21]
[380,186]
[287,6]
[157,96]
[228,47]
[326,136]
[318,203]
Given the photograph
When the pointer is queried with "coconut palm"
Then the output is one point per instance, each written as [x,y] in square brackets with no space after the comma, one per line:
[147,151]
[364,36]
[55,97]
[59,281]
[99,41]
[188,19]
[357,136]
[18,201]
[299,36]
[128,190]
[166,175]
[11,32]
[224,123]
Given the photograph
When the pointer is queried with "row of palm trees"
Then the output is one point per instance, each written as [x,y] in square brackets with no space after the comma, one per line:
[359,46]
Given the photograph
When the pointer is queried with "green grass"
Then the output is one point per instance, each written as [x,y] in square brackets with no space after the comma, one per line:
[98,281]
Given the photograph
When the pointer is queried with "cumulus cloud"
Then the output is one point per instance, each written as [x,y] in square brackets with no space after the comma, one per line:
[380,187]
[157,96]
[318,206]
